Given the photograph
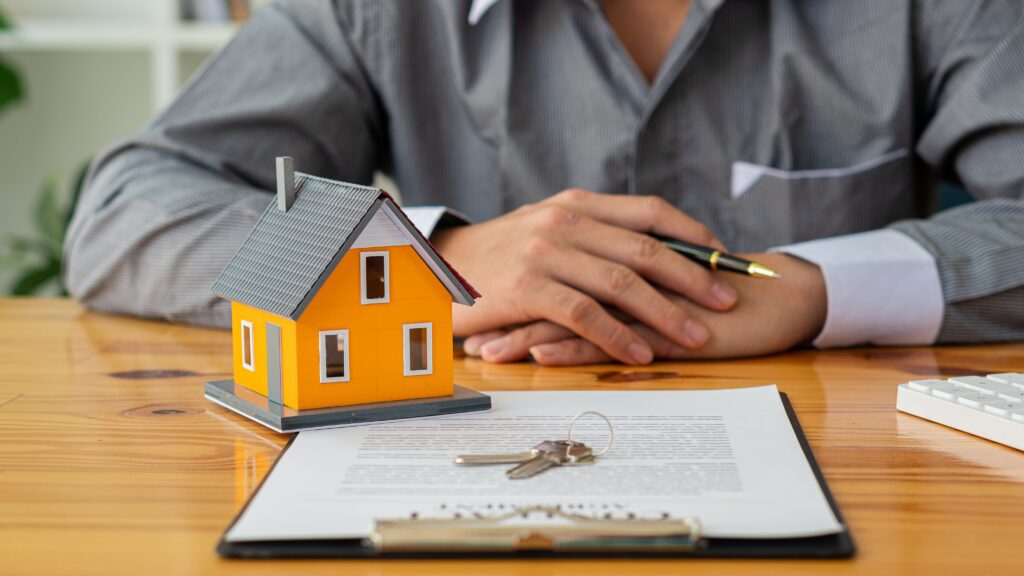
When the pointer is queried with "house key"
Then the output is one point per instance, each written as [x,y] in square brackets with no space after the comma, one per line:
[543,456]
[560,453]
[503,458]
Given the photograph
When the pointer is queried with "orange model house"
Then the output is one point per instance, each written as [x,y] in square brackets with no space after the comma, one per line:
[337,300]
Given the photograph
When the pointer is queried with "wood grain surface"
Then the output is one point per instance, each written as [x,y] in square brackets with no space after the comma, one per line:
[111,461]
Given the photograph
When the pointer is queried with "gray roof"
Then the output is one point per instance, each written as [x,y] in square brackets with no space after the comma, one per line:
[288,255]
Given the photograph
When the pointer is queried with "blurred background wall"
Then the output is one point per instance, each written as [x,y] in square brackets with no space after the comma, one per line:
[90,72]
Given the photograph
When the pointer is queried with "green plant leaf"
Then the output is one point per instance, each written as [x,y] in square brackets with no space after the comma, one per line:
[29,247]
[11,257]
[11,89]
[38,259]
[49,216]
[76,191]
[32,280]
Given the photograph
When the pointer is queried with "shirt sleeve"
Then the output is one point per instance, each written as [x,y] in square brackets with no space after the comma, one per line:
[427,219]
[882,288]
[972,133]
[163,212]
[957,277]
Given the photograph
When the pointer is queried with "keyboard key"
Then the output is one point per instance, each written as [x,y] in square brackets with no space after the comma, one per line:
[998,407]
[974,399]
[946,392]
[1009,378]
[967,381]
[926,385]
[1017,415]
[979,384]
[1016,396]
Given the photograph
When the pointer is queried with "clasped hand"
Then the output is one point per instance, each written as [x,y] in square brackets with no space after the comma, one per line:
[578,279]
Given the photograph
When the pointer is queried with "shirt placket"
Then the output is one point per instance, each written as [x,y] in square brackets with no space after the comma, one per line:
[654,162]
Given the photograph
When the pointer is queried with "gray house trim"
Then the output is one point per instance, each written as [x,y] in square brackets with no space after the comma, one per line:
[431,257]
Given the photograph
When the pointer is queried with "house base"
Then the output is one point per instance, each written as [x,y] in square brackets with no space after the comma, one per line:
[287,420]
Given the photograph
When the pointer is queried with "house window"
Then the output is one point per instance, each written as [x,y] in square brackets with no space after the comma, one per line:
[334,356]
[376,277]
[247,347]
[418,349]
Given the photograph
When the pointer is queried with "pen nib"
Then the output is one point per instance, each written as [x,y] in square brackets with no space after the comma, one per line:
[759,271]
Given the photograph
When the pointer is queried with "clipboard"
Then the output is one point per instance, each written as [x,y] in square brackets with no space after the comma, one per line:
[588,538]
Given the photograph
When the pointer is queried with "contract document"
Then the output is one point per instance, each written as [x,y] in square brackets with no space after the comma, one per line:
[730,458]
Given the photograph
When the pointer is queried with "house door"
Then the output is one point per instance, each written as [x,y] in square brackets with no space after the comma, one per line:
[274,362]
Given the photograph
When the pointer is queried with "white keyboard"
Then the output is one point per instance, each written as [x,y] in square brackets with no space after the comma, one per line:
[988,406]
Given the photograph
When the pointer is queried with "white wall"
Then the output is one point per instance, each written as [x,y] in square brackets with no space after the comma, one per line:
[77,102]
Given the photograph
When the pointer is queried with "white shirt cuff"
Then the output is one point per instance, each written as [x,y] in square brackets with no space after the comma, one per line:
[426,218]
[882,287]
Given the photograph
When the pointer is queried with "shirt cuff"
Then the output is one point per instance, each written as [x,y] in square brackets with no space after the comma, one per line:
[427,219]
[882,287]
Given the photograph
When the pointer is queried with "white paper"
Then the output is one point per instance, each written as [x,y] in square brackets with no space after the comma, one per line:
[728,457]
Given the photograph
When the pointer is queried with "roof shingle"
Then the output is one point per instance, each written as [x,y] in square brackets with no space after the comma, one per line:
[289,254]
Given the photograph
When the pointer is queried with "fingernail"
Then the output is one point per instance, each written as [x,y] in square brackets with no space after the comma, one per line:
[724,294]
[471,345]
[494,348]
[544,352]
[696,333]
[641,354]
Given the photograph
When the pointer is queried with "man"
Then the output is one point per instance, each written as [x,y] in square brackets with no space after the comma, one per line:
[567,130]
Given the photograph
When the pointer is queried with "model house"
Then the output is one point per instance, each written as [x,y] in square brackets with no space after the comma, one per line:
[337,299]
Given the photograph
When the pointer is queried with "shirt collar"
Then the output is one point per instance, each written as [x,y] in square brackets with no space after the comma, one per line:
[480,7]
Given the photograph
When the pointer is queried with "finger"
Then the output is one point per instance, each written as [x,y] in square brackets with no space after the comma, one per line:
[616,284]
[472,344]
[654,261]
[577,351]
[648,214]
[570,352]
[662,347]
[586,317]
[516,344]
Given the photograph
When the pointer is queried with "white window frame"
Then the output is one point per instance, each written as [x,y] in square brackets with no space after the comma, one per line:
[323,356]
[251,366]
[406,328]
[362,278]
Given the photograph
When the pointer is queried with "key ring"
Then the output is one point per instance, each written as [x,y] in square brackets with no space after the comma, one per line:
[611,431]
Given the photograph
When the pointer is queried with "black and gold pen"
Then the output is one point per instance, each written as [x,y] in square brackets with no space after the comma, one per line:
[718,260]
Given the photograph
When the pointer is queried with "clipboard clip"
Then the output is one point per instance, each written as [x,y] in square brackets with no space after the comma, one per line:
[521,530]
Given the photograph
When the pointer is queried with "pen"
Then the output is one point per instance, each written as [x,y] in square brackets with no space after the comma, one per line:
[718,260]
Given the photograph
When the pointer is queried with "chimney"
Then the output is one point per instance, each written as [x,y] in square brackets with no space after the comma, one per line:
[285,183]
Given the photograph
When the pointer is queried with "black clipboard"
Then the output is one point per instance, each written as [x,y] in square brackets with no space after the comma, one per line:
[839,545]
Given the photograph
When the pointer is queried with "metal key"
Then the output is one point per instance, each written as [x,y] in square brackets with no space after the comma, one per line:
[551,454]
[507,458]
[547,454]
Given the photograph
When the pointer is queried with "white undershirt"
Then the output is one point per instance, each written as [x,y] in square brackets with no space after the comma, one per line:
[882,287]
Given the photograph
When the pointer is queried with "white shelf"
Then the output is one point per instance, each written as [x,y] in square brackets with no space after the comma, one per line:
[57,36]
[151,27]
[203,36]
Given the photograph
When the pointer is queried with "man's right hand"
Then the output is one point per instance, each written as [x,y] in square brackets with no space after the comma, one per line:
[562,258]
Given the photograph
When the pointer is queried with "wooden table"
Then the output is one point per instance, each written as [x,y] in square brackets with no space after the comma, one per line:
[112,462]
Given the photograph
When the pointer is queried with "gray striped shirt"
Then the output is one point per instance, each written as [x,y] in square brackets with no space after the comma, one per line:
[849,112]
